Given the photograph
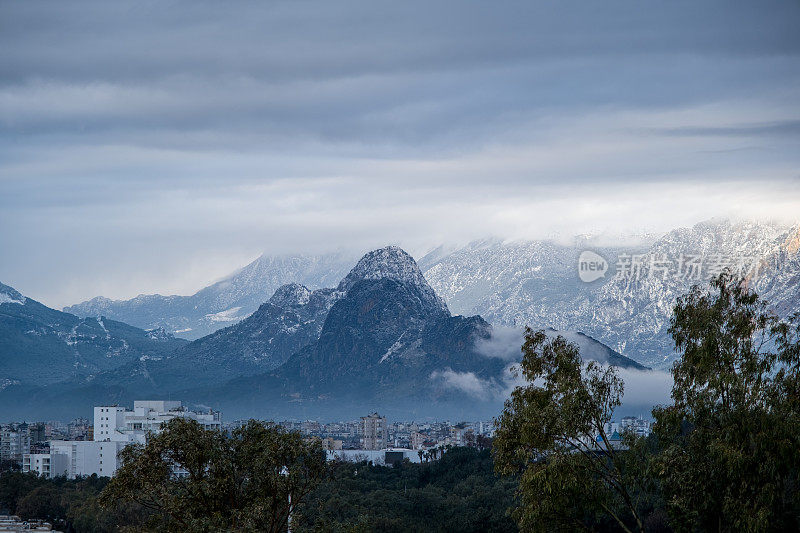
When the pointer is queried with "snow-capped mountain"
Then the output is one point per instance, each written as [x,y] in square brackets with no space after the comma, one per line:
[394,263]
[225,302]
[516,283]
[537,283]
[291,319]
[388,341]
[382,336]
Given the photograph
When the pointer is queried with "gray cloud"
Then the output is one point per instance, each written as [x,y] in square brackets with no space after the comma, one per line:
[466,382]
[155,146]
[505,343]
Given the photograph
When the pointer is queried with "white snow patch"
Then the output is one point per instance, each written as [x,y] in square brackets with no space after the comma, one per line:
[102,325]
[8,299]
[396,346]
[229,315]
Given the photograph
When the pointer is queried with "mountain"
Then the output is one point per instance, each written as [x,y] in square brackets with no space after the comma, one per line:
[537,284]
[42,346]
[291,319]
[224,303]
[381,338]
[390,342]
[509,283]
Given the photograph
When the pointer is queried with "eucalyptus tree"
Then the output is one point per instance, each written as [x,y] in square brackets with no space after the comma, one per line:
[553,432]
[729,458]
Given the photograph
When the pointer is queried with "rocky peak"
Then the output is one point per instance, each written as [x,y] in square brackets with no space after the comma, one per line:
[290,295]
[393,263]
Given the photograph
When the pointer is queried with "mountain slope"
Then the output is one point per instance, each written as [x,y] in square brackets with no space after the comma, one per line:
[41,346]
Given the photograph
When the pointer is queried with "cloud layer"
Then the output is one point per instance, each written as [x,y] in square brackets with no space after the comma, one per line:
[155,146]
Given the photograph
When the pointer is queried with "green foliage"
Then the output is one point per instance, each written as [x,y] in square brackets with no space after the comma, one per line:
[459,492]
[730,442]
[70,504]
[241,482]
[547,433]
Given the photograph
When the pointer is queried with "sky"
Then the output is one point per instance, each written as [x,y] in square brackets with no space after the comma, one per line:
[157,146]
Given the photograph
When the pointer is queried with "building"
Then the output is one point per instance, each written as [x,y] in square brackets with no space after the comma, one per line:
[417,440]
[461,435]
[114,428]
[15,442]
[375,432]
[114,423]
[88,457]
[47,465]
[637,425]
[388,456]
[37,433]
[14,524]
[330,444]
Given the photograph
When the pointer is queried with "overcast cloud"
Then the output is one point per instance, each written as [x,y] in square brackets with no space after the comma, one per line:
[155,146]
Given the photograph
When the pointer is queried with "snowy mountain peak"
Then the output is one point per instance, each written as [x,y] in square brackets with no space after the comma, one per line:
[9,295]
[391,262]
[290,295]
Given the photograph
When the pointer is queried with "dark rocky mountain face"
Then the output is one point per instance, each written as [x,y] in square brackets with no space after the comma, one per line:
[378,321]
[290,320]
[296,317]
[41,346]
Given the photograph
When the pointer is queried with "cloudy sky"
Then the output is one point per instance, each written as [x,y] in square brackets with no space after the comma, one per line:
[156,146]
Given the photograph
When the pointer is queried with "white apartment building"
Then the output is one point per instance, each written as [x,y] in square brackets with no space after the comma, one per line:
[45,464]
[114,428]
[114,423]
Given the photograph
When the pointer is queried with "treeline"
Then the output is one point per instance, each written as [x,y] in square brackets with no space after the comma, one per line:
[71,505]
[460,492]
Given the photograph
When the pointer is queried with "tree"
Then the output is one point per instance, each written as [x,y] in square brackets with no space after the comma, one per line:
[195,479]
[729,459]
[553,433]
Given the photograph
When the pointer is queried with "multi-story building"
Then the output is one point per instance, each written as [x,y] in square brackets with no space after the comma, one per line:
[417,440]
[37,433]
[375,431]
[47,465]
[114,423]
[114,428]
[15,442]
[330,444]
